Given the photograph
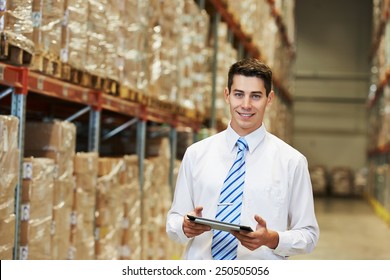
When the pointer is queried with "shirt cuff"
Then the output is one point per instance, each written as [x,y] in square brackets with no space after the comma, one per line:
[284,244]
[175,229]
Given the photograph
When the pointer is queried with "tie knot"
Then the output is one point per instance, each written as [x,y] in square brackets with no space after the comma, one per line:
[242,144]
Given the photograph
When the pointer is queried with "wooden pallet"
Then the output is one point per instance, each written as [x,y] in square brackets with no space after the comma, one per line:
[13,54]
[128,94]
[47,63]
[111,86]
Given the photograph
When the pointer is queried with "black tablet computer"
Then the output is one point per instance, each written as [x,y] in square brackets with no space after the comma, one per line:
[218,224]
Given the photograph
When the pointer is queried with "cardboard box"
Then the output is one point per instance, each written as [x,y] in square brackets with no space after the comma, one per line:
[58,136]
[7,231]
[86,163]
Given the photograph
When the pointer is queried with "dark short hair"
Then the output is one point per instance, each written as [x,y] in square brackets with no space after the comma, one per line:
[251,67]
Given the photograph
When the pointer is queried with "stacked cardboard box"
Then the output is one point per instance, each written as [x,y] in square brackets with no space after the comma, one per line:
[83,207]
[56,140]
[113,23]
[193,38]
[17,23]
[74,34]
[118,209]
[131,221]
[319,179]
[109,209]
[342,181]
[36,208]
[132,56]
[9,166]
[96,38]
[227,55]
[47,33]
[156,201]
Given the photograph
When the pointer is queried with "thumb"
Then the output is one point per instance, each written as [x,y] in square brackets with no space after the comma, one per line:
[260,221]
[198,211]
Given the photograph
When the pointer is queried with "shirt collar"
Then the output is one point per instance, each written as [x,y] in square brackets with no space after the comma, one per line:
[253,139]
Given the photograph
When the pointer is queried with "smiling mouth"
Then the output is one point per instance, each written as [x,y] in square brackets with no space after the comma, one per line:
[245,115]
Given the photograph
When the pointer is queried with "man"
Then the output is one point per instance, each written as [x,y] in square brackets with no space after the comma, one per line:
[244,175]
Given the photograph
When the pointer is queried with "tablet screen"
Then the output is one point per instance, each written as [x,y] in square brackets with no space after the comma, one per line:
[215,224]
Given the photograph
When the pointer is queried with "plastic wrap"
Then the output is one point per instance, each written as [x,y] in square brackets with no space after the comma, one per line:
[97,38]
[112,42]
[47,26]
[9,171]
[132,56]
[74,40]
[37,208]
[16,23]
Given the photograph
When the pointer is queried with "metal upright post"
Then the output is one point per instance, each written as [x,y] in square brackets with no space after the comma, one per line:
[217,19]
[18,109]
[94,131]
[141,138]
[173,138]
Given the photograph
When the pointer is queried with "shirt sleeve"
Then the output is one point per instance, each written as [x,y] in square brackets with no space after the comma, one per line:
[303,231]
[182,202]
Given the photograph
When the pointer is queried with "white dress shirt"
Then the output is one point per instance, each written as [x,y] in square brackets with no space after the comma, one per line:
[277,187]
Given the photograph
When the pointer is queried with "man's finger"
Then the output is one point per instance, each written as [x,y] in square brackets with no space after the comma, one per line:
[260,221]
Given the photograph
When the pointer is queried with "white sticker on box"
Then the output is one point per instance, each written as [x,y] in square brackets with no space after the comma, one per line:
[125,251]
[73,218]
[27,170]
[3,5]
[36,18]
[55,171]
[64,55]
[97,233]
[23,252]
[53,228]
[71,253]
[125,223]
[5,137]
[90,164]
[65,19]
[25,216]
[1,71]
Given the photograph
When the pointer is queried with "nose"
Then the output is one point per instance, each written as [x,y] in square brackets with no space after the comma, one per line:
[246,102]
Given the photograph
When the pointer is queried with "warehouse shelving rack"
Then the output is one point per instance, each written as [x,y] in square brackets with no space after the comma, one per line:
[379,155]
[18,83]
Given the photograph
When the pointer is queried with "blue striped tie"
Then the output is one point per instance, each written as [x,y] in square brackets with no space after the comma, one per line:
[224,245]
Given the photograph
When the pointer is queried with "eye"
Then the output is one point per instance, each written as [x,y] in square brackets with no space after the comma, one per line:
[238,94]
[256,97]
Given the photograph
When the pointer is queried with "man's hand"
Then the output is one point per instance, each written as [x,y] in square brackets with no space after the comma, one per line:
[192,229]
[262,236]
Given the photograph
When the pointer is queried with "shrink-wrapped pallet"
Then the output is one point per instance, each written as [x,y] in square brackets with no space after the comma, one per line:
[16,23]
[37,208]
[74,34]
[83,207]
[9,166]
[132,50]
[57,141]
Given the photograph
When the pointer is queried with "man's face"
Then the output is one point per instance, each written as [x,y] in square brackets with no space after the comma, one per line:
[248,101]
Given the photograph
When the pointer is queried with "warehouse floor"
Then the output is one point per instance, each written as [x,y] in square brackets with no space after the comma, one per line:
[350,230]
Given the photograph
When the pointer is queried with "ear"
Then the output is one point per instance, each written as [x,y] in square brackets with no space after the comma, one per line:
[226,95]
[270,97]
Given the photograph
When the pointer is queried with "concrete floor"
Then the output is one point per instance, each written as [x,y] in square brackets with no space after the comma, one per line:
[349,230]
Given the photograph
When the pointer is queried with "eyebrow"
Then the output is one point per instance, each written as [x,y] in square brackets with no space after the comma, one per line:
[252,92]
